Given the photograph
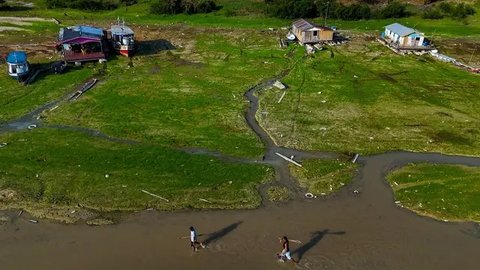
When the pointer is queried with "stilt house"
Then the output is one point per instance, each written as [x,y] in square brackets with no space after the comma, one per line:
[307,32]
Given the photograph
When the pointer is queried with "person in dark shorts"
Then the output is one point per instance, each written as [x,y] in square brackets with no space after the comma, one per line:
[285,253]
[193,239]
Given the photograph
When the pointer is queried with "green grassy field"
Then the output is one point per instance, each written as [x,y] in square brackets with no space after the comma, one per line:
[448,192]
[363,98]
[56,168]
[359,97]
[191,97]
[324,177]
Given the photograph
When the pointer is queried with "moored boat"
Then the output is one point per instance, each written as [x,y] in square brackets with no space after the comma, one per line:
[122,38]
[18,66]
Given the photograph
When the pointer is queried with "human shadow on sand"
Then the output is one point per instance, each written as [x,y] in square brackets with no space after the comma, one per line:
[316,237]
[149,47]
[222,232]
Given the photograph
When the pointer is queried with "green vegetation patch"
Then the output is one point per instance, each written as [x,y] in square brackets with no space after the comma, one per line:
[278,194]
[448,192]
[58,168]
[18,99]
[188,97]
[323,177]
[362,98]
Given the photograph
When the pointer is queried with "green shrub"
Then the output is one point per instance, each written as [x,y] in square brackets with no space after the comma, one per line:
[293,9]
[462,10]
[432,13]
[166,7]
[394,9]
[353,12]
[447,9]
[88,4]
[3,4]
[183,6]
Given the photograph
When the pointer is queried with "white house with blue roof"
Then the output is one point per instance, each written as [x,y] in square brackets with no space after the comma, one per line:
[405,37]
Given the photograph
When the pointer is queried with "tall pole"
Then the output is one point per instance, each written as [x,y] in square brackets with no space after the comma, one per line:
[469,61]
[326,13]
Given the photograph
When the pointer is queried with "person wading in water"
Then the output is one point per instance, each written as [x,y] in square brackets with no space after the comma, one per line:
[193,240]
[285,253]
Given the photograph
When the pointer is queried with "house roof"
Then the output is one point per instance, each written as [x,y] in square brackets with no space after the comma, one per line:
[121,30]
[304,25]
[77,31]
[400,29]
[17,57]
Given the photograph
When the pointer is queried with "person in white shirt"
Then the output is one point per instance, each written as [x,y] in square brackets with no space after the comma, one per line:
[193,239]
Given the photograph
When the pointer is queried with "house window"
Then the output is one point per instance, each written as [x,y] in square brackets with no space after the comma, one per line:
[315,33]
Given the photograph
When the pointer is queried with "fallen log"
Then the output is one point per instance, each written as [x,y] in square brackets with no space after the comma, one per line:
[289,159]
[154,195]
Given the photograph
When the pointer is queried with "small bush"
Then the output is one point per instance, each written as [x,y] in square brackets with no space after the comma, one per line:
[393,10]
[432,13]
[369,2]
[88,4]
[353,12]
[183,6]
[292,9]
[447,9]
[3,4]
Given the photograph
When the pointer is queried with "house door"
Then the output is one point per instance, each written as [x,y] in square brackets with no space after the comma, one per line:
[417,42]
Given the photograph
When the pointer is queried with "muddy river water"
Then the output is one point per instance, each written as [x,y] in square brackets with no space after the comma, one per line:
[349,230]
[346,231]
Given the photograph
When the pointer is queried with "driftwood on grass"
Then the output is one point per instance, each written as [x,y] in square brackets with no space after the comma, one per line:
[281,98]
[289,159]
[154,195]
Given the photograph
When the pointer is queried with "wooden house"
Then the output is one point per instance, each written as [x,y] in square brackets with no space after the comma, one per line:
[82,43]
[307,32]
[402,37]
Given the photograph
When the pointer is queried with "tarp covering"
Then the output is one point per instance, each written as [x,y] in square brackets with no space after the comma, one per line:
[77,31]
[17,57]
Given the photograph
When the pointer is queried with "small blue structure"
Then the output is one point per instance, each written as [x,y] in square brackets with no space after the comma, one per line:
[17,64]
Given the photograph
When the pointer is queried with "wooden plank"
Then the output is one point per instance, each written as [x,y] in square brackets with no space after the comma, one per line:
[154,195]
[289,159]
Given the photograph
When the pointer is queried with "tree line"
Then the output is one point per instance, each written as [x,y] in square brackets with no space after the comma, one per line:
[89,4]
[286,9]
[291,9]
[447,9]
[183,6]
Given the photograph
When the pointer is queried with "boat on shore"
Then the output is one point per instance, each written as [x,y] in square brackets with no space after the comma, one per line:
[122,38]
[18,66]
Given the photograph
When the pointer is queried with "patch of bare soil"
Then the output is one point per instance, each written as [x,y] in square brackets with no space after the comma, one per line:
[23,20]
[465,50]
[7,195]
[180,39]
[65,215]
